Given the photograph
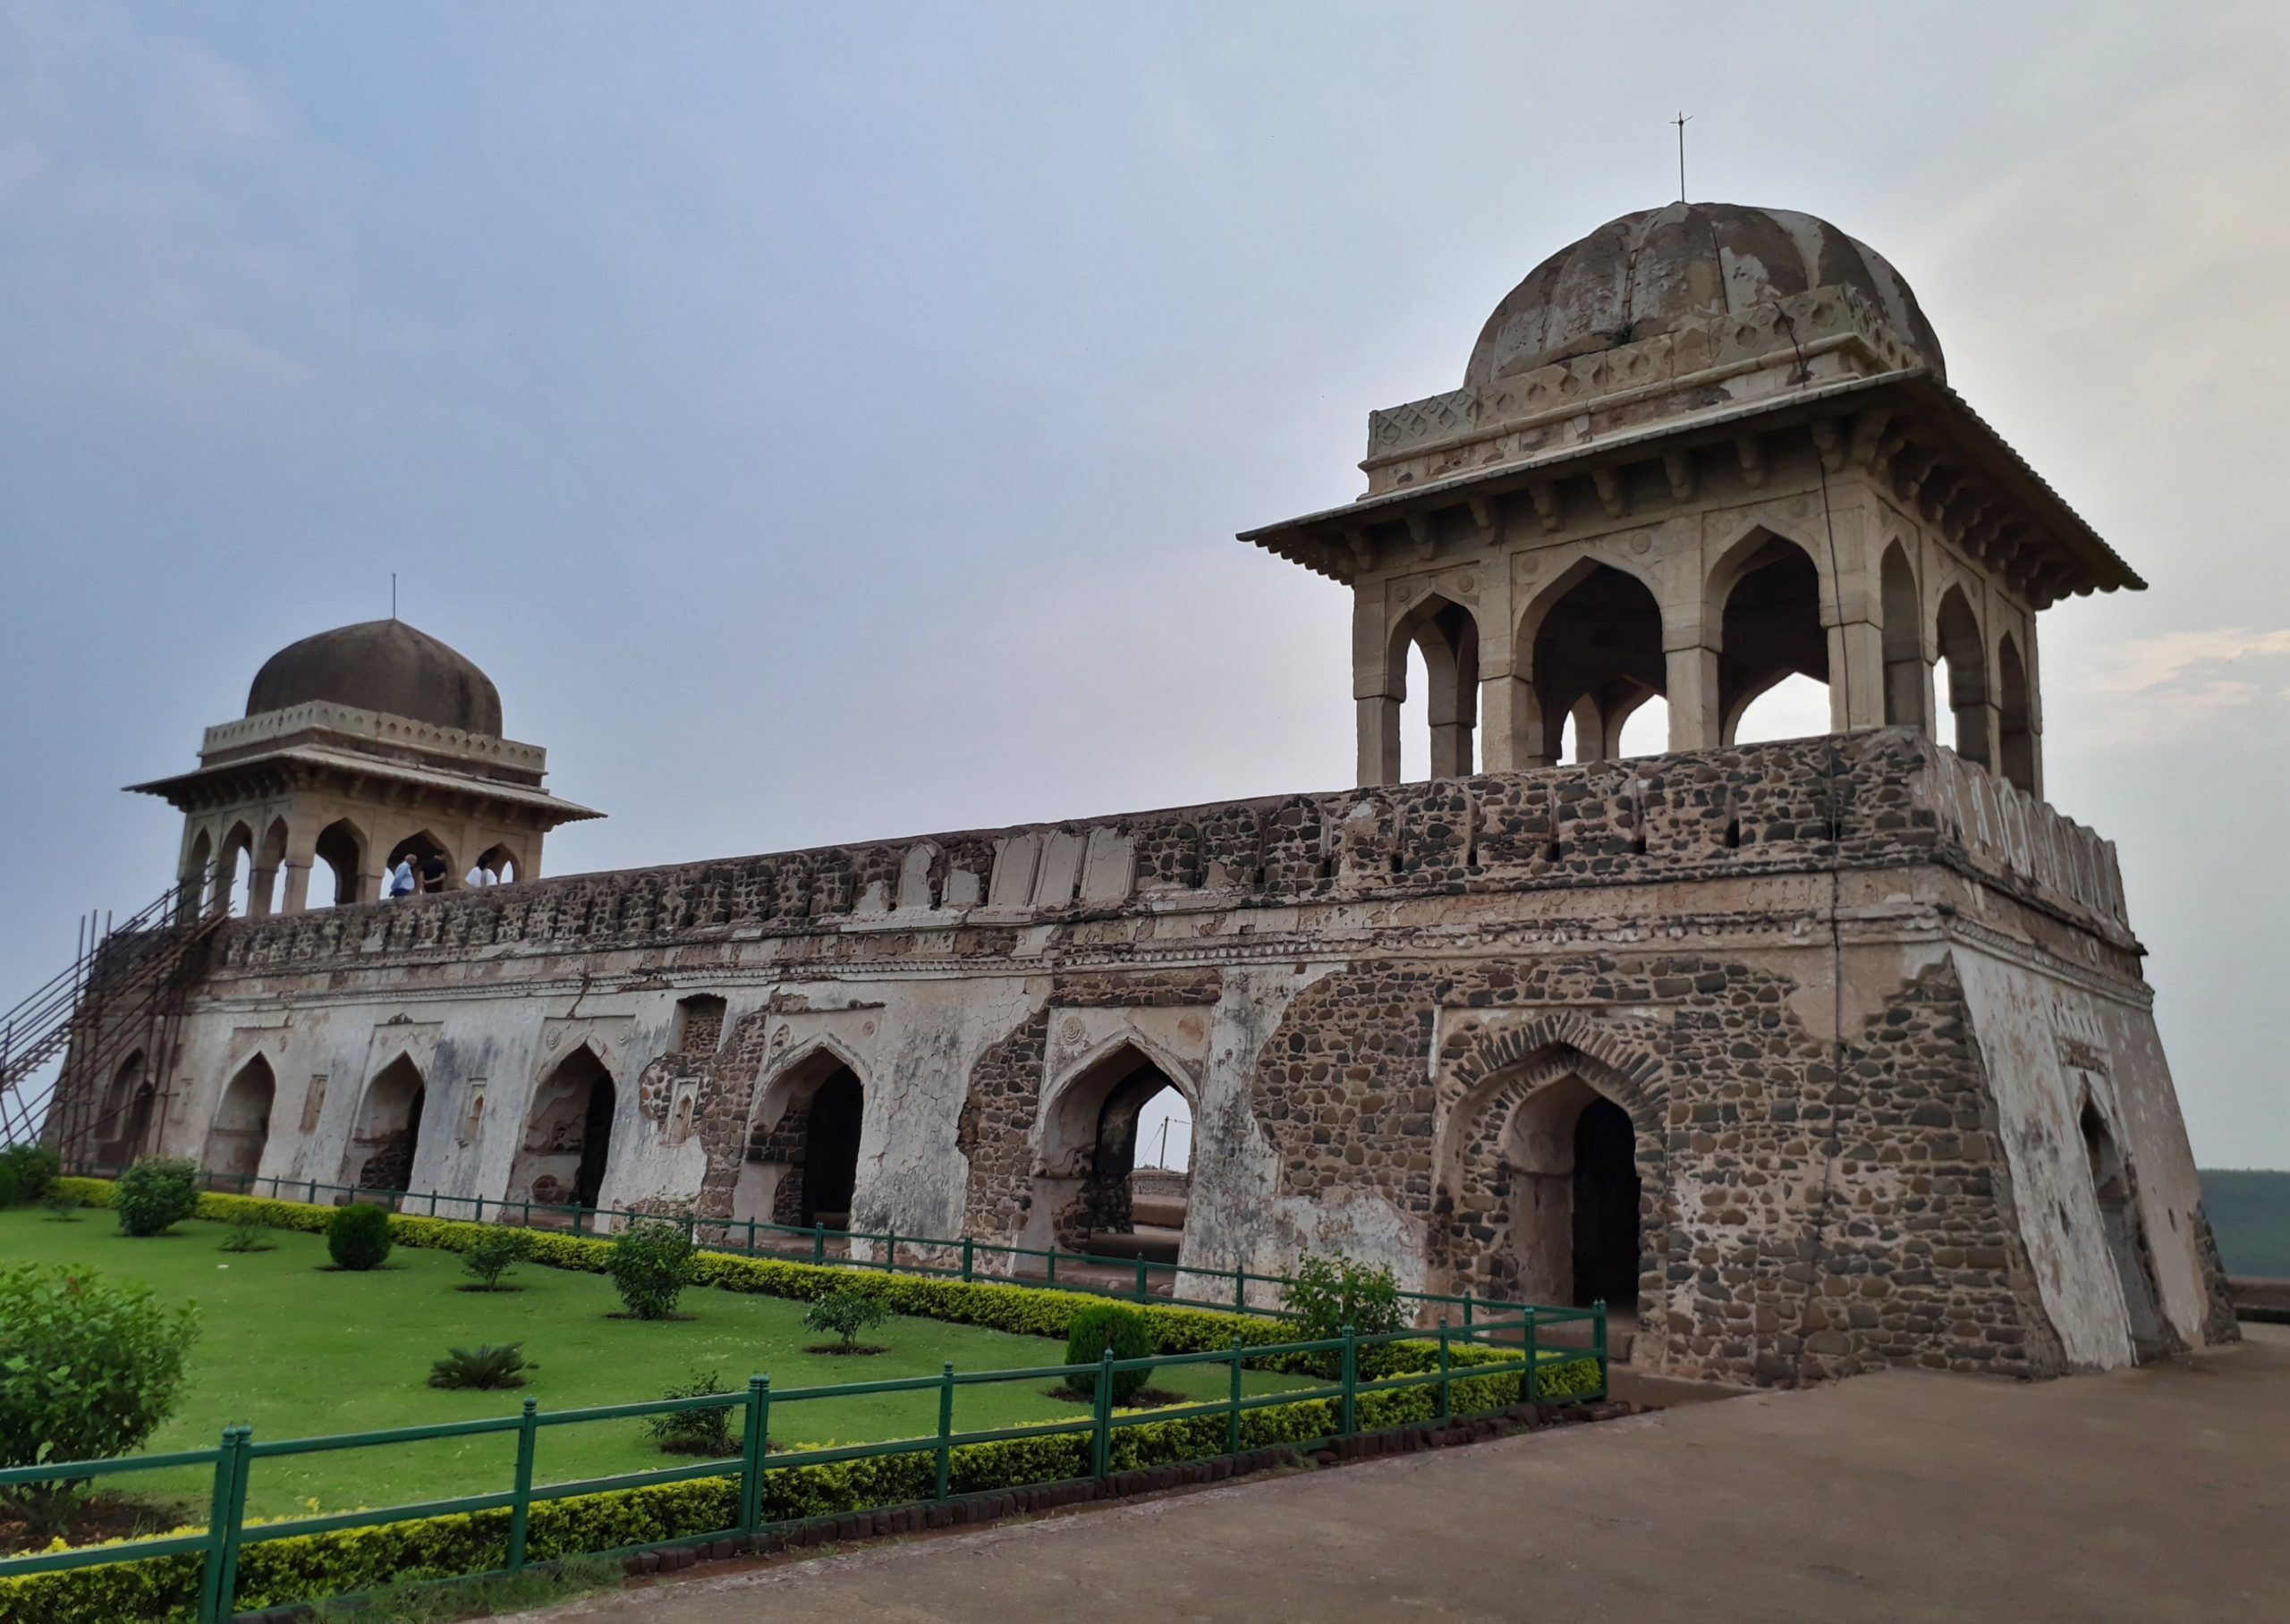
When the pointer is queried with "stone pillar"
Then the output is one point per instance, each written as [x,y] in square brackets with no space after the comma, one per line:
[1506,708]
[1379,724]
[301,851]
[1856,676]
[1695,723]
[1979,725]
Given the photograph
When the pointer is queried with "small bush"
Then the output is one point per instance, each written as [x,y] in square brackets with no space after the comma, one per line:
[155,1195]
[1329,1293]
[1125,1330]
[493,1254]
[358,1237]
[844,1314]
[87,1370]
[708,1433]
[63,1207]
[248,1233]
[650,1264]
[485,1365]
[26,1170]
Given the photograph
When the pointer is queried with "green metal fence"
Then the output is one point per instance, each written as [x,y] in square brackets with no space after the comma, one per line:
[962,1258]
[234,1459]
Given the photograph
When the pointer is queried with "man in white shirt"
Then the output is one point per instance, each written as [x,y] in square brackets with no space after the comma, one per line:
[402,878]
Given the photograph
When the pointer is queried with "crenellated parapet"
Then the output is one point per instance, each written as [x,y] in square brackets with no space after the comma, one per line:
[1878,799]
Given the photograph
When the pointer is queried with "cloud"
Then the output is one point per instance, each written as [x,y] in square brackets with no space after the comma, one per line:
[2222,684]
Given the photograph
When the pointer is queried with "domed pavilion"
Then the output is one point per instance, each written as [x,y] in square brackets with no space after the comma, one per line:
[1698,452]
[361,745]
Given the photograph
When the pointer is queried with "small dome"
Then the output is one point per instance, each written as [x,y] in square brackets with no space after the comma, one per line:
[380,665]
[1645,274]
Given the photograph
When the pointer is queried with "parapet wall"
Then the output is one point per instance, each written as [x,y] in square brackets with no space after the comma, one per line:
[1871,799]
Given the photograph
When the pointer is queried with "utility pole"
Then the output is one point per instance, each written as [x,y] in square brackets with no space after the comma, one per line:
[1681,121]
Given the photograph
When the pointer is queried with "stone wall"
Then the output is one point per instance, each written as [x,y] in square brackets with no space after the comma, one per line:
[1382,1006]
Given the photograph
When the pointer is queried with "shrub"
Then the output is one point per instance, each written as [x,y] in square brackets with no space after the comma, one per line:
[87,1369]
[248,1233]
[358,1237]
[493,1254]
[697,1432]
[1125,1330]
[485,1365]
[844,1314]
[1332,1293]
[650,1264]
[63,1207]
[155,1194]
[26,1171]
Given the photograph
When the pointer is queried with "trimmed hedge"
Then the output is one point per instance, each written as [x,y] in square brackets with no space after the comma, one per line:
[309,1567]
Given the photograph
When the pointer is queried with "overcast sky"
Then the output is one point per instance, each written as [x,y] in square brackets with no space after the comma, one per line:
[828,422]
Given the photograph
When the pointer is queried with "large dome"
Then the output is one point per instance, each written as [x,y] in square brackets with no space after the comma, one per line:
[380,665]
[1643,275]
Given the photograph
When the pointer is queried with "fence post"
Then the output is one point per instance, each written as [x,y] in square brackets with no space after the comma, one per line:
[219,1517]
[1101,1444]
[890,1252]
[521,1508]
[1445,1405]
[480,1209]
[1531,1382]
[818,1241]
[691,1231]
[314,1192]
[1349,1416]
[970,1250]
[1142,1291]
[1049,1275]
[1233,1409]
[753,1447]
[750,1236]
[1240,1290]
[223,1547]
[946,1429]
[1466,1313]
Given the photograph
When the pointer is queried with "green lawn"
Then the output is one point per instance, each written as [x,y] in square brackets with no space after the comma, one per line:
[298,1351]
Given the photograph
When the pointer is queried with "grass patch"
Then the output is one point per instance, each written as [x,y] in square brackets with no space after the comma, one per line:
[296,1349]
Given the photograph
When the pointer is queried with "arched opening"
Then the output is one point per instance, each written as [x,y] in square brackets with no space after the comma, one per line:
[803,1158]
[2126,1237]
[495,865]
[333,876]
[1771,631]
[1964,676]
[1793,707]
[268,878]
[1645,728]
[1903,640]
[1088,1191]
[1597,659]
[195,884]
[433,865]
[1604,1258]
[123,1115]
[387,1135]
[2015,720]
[234,871]
[1436,644]
[241,1125]
[568,1137]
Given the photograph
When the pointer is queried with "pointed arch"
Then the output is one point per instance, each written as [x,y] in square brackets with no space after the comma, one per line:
[1447,634]
[805,1136]
[1590,649]
[240,1128]
[268,871]
[1086,1152]
[566,1151]
[195,885]
[1765,597]
[1908,695]
[233,867]
[1963,651]
[433,861]
[123,1117]
[385,1136]
[2114,1190]
[2015,751]
[341,851]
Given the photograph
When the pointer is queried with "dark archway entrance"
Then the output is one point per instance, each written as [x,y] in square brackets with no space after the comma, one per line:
[2126,1238]
[388,1132]
[241,1125]
[829,1174]
[567,1147]
[1606,1207]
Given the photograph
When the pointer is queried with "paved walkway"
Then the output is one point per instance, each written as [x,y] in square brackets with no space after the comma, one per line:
[2157,1494]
